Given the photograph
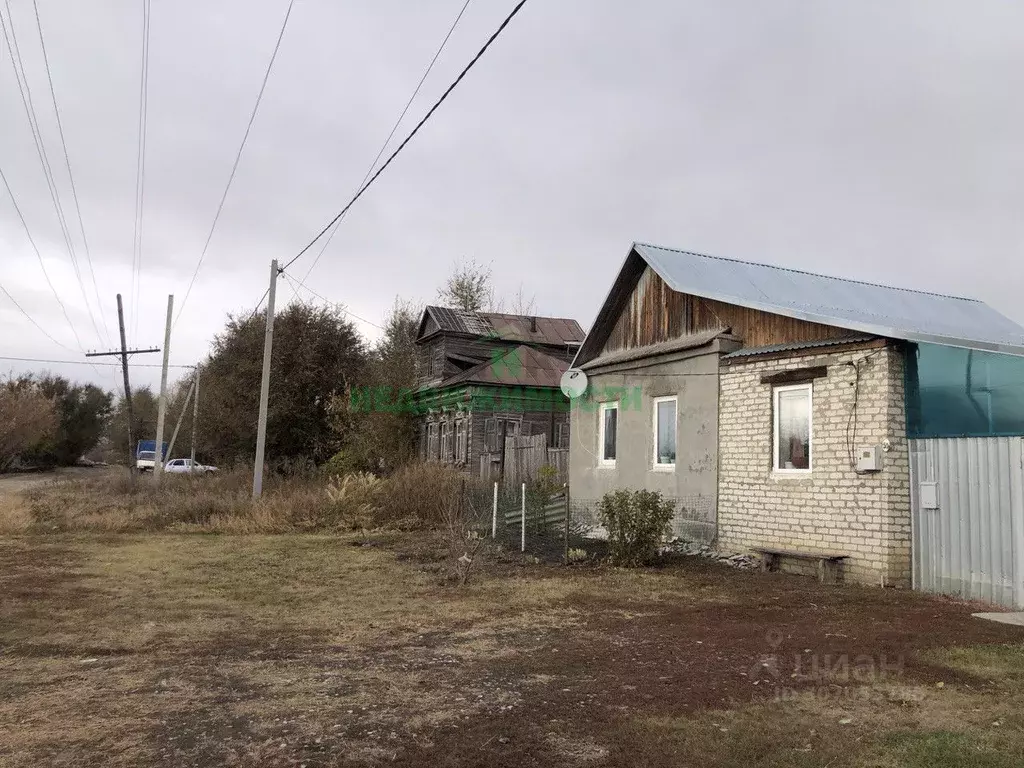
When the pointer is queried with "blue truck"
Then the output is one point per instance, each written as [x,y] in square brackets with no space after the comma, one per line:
[145,455]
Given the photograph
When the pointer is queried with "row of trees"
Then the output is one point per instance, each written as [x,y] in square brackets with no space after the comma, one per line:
[49,421]
[319,357]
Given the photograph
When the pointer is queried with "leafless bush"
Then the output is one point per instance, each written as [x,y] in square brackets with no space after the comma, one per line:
[27,418]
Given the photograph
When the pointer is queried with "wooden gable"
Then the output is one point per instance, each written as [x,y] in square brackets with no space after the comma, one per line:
[655,313]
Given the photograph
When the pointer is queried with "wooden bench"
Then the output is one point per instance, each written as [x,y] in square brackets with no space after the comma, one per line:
[828,562]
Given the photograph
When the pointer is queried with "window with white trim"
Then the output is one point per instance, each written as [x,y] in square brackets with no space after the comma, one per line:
[446,442]
[793,438]
[460,440]
[664,432]
[432,445]
[608,418]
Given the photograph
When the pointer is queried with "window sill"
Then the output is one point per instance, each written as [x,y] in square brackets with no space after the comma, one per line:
[663,468]
[606,465]
[792,475]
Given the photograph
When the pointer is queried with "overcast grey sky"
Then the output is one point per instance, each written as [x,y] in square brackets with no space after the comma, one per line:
[876,140]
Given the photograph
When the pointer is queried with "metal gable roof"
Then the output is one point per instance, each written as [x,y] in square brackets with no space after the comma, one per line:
[876,309]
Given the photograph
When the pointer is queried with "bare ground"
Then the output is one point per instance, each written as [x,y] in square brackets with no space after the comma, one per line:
[192,650]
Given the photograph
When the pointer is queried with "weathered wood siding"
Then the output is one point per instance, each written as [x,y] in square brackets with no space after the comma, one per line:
[655,313]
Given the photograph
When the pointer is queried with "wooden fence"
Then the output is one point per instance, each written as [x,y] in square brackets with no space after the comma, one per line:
[524,457]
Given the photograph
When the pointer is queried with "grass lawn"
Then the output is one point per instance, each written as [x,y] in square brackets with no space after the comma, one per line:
[189,650]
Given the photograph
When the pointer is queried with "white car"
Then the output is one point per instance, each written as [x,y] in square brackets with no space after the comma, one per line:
[187,466]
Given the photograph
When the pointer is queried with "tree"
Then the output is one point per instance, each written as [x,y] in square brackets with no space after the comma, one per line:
[317,355]
[383,438]
[144,411]
[82,411]
[468,288]
[27,418]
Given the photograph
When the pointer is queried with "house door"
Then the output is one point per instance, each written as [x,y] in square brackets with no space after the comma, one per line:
[967,507]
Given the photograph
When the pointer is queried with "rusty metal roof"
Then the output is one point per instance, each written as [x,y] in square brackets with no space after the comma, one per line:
[521,366]
[553,331]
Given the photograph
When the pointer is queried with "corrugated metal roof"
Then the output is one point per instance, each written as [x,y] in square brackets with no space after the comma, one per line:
[797,345]
[881,310]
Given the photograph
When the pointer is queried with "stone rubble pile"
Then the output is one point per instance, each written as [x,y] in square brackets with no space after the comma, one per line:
[700,549]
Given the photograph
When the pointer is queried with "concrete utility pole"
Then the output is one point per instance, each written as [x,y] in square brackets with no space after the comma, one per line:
[195,417]
[268,345]
[158,464]
[123,354]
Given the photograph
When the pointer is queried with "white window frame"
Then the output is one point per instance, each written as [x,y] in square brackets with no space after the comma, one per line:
[776,412]
[461,432]
[675,425]
[601,411]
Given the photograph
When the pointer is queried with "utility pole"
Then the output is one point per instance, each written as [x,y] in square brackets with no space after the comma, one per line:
[268,345]
[123,354]
[195,417]
[158,464]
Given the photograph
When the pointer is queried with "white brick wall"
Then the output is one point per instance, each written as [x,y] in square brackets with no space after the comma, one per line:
[864,516]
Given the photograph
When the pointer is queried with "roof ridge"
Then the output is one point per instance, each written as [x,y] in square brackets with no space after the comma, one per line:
[810,274]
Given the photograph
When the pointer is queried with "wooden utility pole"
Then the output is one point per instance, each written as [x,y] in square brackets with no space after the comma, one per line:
[161,413]
[268,346]
[123,354]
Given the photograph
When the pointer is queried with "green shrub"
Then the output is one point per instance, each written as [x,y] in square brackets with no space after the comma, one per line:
[340,464]
[636,522]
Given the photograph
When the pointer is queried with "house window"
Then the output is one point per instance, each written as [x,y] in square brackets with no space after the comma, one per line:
[431,441]
[460,440]
[609,417]
[664,432]
[495,429]
[446,442]
[792,444]
[561,435]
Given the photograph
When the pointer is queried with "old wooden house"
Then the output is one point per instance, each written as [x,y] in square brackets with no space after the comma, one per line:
[484,377]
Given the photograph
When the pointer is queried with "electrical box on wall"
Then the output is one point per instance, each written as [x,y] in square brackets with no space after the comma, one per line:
[869,459]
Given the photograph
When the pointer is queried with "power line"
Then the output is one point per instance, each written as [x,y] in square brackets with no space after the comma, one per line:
[238,157]
[298,284]
[86,362]
[394,128]
[415,130]
[37,325]
[39,256]
[25,91]
[140,168]
[71,176]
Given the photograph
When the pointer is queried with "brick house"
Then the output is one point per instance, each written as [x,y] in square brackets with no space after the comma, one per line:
[486,376]
[781,409]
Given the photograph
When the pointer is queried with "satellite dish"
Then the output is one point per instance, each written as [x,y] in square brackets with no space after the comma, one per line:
[574,383]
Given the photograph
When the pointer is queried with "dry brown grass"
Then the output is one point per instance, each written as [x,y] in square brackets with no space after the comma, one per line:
[414,497]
